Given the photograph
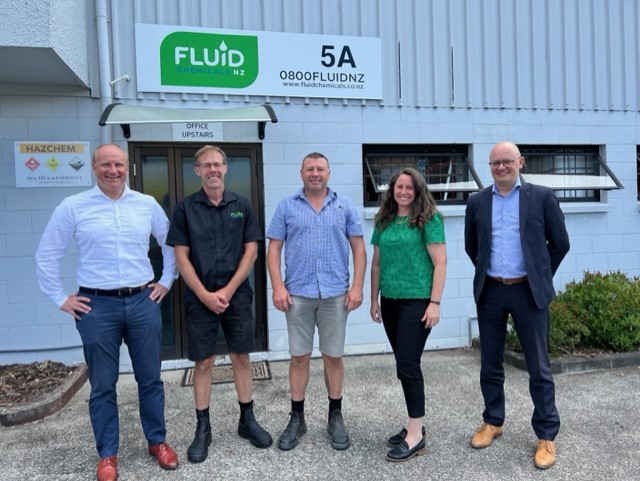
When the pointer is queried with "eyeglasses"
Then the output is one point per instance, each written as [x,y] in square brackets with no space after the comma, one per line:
[506,162]
[210,165]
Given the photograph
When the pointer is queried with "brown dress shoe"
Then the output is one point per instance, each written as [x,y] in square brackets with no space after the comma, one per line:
[485,435]
[167,457]
[545,456]
[108,469]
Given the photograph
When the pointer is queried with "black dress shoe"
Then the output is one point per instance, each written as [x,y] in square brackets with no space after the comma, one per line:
[199,449]
[290,437]
[252,431]
[402,452]
[398,438]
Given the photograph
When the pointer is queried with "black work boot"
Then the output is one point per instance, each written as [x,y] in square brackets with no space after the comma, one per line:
[252,431]
[338,433]
[199,449]
[290,437]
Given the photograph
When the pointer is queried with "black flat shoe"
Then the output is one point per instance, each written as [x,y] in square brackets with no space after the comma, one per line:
[398,438]
[402,452]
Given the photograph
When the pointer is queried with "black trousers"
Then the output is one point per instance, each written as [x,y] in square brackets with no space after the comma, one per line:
[532,327]
[402,322]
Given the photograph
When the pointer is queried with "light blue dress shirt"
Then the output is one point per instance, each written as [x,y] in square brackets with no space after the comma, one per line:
[507,259]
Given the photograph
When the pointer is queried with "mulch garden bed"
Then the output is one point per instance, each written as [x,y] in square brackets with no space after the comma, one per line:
[20,383]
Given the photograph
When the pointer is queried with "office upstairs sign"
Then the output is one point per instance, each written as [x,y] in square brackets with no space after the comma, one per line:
[240,62]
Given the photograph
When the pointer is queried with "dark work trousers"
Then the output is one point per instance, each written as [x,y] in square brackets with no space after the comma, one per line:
[137,321]
[496,302]
[407,336]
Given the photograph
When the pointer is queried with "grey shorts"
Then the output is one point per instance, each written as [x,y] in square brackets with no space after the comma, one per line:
[330,315]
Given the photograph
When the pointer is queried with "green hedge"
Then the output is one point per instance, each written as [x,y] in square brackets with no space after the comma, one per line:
[600,312]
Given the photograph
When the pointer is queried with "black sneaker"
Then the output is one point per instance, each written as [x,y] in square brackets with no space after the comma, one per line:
[337,431]
[252,431]
[290,437]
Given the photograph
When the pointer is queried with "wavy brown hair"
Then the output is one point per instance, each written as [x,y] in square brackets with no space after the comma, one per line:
[423,207]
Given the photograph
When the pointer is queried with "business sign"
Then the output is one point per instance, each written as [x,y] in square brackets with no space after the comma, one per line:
[52,164]
[197,131]
[240,62]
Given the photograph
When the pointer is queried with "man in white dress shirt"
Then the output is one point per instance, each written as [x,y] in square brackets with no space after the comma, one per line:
[117,298]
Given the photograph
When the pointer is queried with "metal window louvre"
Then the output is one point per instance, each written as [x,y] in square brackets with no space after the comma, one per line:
[572,180]
[447,186]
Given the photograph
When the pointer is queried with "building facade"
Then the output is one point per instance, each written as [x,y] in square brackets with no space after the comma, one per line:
[374,85]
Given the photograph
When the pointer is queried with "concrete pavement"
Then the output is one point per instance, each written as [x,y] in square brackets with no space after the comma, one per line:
[599,438]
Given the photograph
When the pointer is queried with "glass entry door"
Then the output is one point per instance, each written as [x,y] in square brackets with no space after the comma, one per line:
[165,171]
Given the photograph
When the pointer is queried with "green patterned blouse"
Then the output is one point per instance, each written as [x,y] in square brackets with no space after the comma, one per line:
[406,270]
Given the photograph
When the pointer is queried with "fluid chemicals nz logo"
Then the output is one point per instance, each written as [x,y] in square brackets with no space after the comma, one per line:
[208,60]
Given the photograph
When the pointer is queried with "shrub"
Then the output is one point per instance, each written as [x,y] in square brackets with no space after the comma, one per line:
[600,312]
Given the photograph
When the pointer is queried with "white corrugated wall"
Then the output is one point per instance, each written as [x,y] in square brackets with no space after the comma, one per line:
[497,54]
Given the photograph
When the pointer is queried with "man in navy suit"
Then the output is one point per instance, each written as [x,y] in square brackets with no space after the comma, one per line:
[516,238]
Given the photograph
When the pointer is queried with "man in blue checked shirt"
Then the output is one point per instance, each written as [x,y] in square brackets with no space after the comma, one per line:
[318,227]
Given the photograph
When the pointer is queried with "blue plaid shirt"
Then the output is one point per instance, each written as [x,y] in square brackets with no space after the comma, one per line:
[316,244]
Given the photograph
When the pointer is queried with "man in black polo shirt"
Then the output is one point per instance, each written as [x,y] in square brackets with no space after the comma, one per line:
[215,237]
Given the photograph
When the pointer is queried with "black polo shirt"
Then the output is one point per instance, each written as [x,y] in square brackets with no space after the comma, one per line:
[215,234]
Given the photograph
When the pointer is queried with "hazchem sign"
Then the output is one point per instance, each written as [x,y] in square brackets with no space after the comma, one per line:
[52,164]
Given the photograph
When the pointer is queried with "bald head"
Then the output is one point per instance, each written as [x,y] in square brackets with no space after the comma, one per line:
[506,147]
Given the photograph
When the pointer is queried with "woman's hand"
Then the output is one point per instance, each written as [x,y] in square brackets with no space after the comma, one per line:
[431,316]
[376,316]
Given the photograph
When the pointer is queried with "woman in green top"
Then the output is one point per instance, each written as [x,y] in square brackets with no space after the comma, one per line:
[408,271]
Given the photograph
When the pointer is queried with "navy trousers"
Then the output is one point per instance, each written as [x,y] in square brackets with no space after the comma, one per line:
[137,321]
[532,327]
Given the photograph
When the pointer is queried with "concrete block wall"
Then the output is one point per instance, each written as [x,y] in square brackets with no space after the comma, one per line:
[31,327]
[604,236]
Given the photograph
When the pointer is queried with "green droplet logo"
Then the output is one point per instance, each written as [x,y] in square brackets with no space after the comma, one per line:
[208,60]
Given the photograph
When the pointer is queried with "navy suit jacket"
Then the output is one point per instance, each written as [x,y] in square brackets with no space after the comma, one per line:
[543,236]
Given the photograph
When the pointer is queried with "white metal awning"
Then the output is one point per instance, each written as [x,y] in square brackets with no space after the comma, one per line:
[124,115]
[573,181]
[568,168]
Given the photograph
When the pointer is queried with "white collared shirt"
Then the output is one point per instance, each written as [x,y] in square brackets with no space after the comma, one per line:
[112,240]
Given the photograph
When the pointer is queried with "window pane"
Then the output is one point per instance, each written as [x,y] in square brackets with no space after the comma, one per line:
[577,168]
[445,168]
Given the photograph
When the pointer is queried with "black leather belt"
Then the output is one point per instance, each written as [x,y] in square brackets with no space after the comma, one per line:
[121,292]
[508,282]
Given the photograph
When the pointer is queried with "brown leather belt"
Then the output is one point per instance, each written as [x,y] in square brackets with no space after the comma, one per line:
[508,282]
[122,292]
